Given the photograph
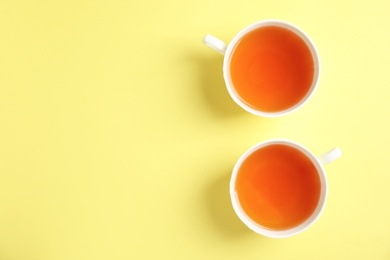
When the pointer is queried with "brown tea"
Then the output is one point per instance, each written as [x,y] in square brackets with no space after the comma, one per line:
[278,187]
[271,68]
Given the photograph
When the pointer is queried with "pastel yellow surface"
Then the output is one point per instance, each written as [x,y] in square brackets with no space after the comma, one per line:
[117,135]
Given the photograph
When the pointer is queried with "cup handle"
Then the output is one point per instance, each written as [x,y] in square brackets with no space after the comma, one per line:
[215,43]
[330,156]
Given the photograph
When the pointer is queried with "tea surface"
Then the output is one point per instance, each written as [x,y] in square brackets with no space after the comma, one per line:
[278,187]
[272,68]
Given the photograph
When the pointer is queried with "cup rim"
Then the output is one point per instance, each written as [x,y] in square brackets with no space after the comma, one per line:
[287,232]
[228,54]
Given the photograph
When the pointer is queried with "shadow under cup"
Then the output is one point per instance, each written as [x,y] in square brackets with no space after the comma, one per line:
[271,68]
[278,188]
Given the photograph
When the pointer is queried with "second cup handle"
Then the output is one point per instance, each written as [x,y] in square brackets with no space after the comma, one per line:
[330,156]
[215,43]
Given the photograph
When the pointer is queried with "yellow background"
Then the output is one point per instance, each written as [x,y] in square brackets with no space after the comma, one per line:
[117,135]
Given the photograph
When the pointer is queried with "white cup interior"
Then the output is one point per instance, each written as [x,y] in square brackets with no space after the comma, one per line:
[226,67]
[264,230]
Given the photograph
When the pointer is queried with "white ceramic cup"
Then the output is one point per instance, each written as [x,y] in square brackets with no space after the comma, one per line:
[318,163]
[227,51]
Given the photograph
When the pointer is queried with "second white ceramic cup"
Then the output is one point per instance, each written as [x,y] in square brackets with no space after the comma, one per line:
[318,163]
